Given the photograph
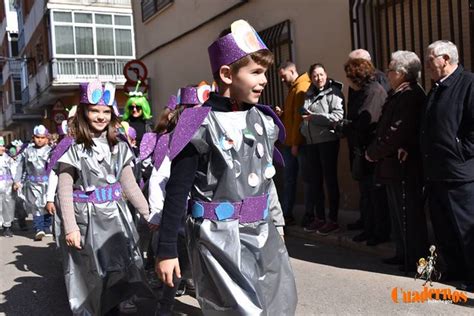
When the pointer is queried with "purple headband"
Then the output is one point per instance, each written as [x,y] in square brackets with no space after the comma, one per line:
[172,102]
[95,94]
[188,96]
[240,42]
[40,130]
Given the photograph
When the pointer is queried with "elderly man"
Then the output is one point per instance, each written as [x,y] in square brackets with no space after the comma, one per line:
[291,117]
[447,147]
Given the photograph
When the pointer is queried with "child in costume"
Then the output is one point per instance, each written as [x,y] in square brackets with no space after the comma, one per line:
[7,199]
[20,212]
[222,155]
[103,266]
[31,173]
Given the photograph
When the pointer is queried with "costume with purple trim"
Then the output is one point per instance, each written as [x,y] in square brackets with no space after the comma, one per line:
[109,268]
[7,199]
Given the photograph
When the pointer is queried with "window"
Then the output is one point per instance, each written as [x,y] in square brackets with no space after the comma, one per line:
[150,7]
[17,89]
[92,35]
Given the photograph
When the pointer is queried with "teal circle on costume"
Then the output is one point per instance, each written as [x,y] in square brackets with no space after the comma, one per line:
[106,96]
[96,95]
[197,210]
[225,210]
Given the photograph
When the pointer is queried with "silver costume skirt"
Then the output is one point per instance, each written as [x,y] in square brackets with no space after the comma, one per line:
[109,267]
[240,269]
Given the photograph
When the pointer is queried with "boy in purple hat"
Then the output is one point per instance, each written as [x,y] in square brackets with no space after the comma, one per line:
[222,157]
[31,173]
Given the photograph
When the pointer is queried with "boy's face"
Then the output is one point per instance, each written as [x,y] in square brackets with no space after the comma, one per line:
[248,83]
[40,140]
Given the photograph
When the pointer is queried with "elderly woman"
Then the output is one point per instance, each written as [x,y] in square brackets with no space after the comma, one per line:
[397,134]
[361,132]
[322,109]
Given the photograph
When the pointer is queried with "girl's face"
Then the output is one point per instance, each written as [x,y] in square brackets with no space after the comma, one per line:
[98,117]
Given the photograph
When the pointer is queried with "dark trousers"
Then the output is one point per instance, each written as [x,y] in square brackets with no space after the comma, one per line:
[374,209]
[452,215]
[408,219]
[320,166]
[289,181]
[42,223]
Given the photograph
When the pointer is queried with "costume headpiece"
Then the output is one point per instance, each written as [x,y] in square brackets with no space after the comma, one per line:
[72,111]
[172,102]
[194,95]
[40,130]
[94,93]
[137,93]
[240,42]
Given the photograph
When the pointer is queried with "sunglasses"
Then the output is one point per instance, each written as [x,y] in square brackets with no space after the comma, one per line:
[135,108]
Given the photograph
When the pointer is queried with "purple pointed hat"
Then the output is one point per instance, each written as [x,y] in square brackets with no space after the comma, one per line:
[188,96]
[94,93]
[172,102]
[240,42]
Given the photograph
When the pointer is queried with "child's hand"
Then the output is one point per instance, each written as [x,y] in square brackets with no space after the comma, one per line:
[74,239]
[16,186]
[50,208]
[165,268]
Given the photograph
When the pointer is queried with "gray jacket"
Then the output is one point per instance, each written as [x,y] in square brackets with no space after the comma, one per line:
[325,107]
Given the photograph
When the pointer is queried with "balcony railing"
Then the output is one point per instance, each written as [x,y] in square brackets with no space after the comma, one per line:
[79,70]
[90,2]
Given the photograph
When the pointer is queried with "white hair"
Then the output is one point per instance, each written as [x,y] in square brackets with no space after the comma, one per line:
[360,54]
[408,63]
[444,47]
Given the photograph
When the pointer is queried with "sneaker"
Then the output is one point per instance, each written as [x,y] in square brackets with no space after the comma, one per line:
[128,307]
[7,232]
[48,232]
[39,235]
[314,226]
[181,289]
[329,227]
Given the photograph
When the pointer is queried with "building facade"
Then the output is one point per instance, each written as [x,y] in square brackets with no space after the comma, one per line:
[65,42]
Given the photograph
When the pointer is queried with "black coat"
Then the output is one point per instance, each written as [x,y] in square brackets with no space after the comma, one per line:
[398,127]
[447,129]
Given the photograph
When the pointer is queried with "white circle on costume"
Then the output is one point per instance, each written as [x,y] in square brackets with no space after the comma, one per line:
[237,168]
[253,180]
[260,150]
[99,157]
[270,171]
[225,143]
[258,129]
[90,188]
[110,178]
[249,135]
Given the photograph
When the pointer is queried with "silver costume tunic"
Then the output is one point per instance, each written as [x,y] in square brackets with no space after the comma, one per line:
[109,268]
[7,201]
[239,268]
[32,170]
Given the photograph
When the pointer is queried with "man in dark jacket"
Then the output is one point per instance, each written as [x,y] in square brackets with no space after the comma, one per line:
[447,147]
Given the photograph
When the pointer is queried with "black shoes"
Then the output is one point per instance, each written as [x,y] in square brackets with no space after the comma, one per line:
[467,286]
[22,224]
[358,225]
[393,261]
[360,237]
[7,232]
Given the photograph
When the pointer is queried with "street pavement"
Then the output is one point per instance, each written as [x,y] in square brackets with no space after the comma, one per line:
[331,280]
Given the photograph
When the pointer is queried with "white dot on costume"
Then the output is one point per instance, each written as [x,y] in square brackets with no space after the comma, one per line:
[90,188]
[237,168]
[258,129]
[226,144]
[253,180]
[249,135]
[111,178]
[99,157]
[260,150]
[269,171]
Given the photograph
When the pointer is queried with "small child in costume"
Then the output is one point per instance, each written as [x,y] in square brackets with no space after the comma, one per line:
[31,173]
[7,199]
[20,212]
[222,155]
[103,267]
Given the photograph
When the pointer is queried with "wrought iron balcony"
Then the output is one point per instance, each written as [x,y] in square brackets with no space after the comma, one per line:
[80,70]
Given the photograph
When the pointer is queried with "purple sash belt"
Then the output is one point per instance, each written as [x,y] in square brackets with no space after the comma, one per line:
[6,177]
[249,210]
[108,193]
[38,178]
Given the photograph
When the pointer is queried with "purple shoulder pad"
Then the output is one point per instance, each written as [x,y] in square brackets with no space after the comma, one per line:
[269,111]
[188,123]
[278,157]
[147,145]
[58,152]
[161,150]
